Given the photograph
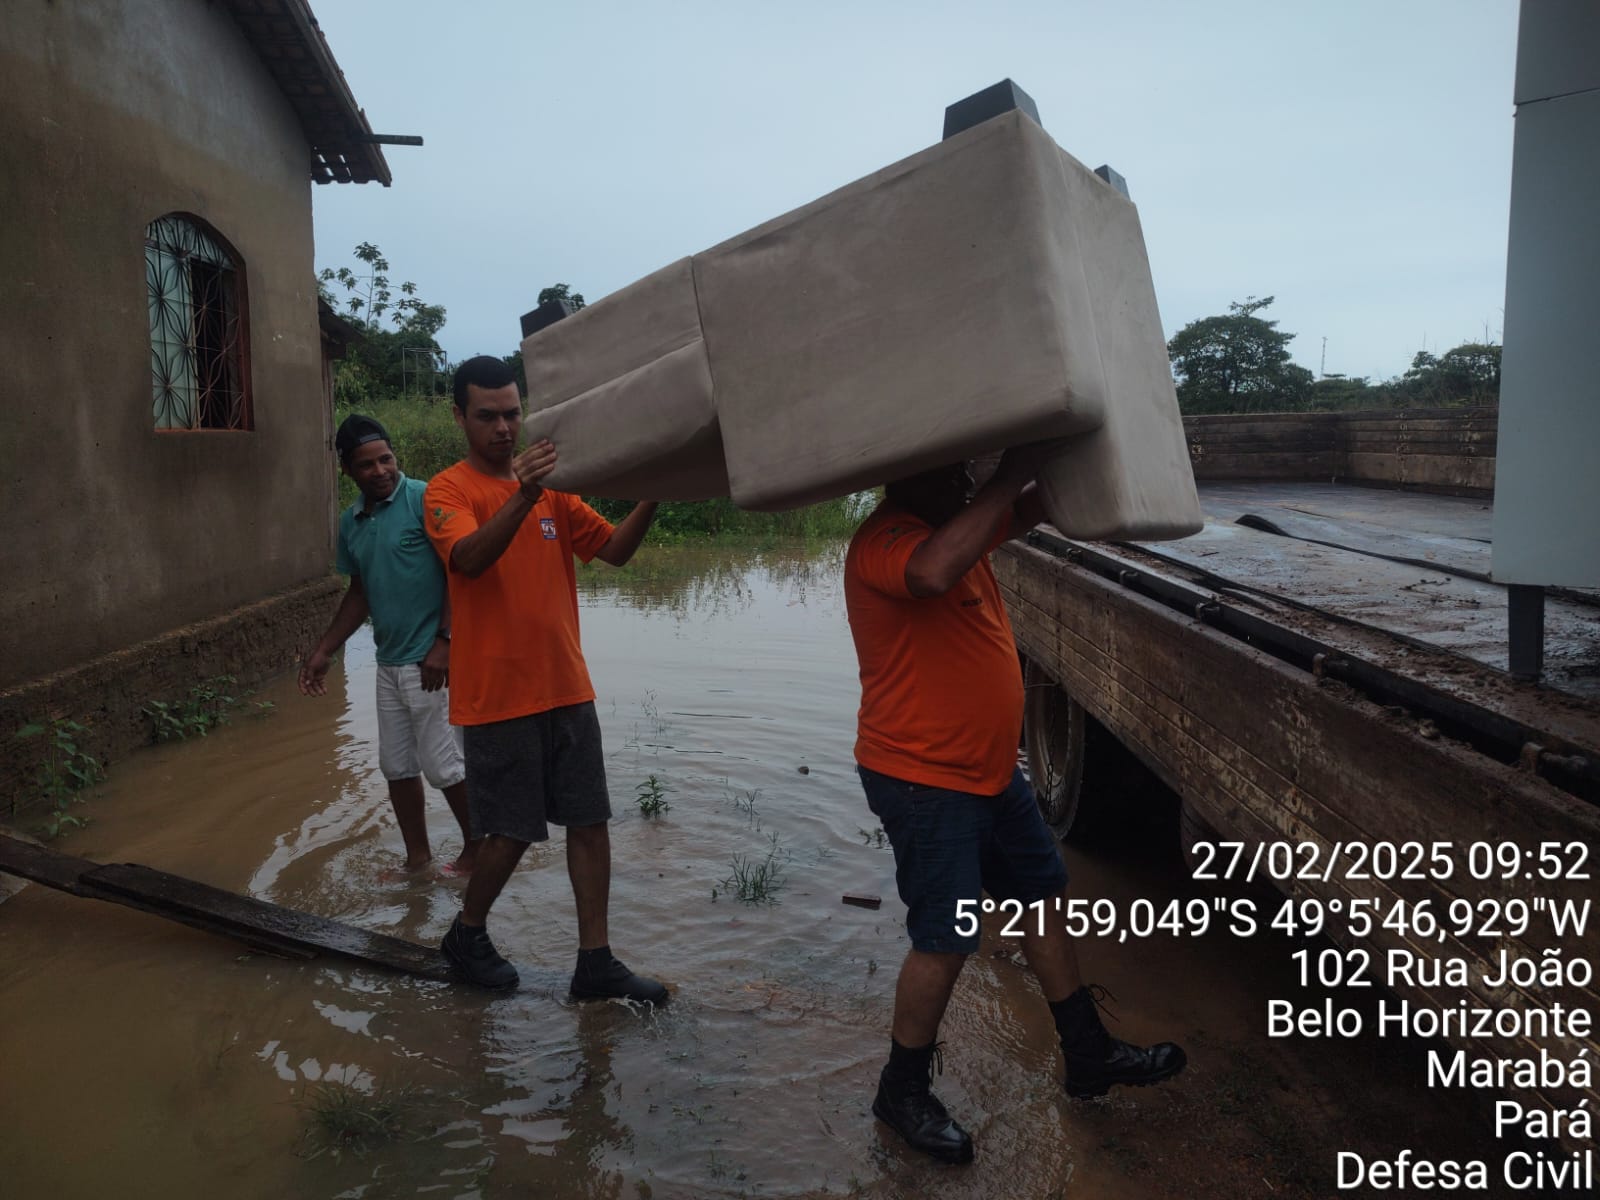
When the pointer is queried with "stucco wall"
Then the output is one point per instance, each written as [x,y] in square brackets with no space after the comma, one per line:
[116,114]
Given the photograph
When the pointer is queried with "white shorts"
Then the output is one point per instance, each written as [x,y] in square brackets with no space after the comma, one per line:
[415,736]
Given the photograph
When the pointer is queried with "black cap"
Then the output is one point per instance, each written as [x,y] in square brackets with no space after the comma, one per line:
[358,430]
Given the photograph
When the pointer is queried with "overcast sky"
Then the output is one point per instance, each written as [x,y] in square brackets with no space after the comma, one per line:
[1350,157]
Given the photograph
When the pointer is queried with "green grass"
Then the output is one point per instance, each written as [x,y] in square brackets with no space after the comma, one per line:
[342,1119]
[756,880]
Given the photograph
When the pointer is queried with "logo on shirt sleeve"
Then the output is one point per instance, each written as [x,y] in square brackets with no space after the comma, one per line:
[548,526]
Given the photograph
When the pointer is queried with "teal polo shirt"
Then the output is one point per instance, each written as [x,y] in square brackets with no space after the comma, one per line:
[399,569]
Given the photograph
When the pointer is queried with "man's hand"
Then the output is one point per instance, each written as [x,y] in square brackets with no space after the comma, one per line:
[532,465]
[436,667]
[314,673]
[1020,465]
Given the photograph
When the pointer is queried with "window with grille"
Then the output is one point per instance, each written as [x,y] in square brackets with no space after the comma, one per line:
[199,348]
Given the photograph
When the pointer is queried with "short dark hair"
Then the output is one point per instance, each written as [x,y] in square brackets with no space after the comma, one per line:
[485,371]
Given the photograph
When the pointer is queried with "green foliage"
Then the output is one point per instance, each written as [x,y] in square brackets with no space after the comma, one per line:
[1237,363]
[1466,374]
[1240,363]
[560,291]
[369,295]
[387,362]
[66,771]
[652,797]
[756,880]
[202,710]
[391,363]
[342,1119]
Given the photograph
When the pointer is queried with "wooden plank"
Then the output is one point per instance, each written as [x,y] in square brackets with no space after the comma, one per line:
[249,919]
[267,927]
[1264,445]
[1474,444]
[29,860]
[1273,430]
[1230,420]
[1447,425]
[1444,470]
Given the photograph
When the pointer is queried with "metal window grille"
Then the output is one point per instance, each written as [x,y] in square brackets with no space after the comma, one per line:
[199,361]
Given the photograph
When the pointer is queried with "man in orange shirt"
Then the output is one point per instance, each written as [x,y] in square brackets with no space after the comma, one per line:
[519,685]
[941,710]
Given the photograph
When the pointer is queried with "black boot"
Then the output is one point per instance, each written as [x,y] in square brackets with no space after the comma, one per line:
[477,961]
[601,976]
[1096,1061]
[906,1105]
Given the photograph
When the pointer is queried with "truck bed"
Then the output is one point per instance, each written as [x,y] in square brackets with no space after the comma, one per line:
[1412,565]
[1340,682]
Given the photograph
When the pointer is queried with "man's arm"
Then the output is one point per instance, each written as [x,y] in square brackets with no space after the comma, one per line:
[1028,511]
[482,548]
[950,552]
[352,611]
[628,534]
[436,664]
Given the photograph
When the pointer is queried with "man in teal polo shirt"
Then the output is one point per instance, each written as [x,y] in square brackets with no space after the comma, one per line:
[398,580]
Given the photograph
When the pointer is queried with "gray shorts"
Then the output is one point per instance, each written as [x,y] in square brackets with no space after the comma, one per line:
[529,771]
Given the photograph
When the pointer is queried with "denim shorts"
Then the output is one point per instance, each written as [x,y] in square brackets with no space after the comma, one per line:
[951,846]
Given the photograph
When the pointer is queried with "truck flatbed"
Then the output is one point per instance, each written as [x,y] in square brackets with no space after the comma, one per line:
[1325,665]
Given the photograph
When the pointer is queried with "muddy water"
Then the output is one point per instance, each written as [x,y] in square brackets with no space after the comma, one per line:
[138,1058]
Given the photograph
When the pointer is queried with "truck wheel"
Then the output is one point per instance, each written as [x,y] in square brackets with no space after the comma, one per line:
[1053,726]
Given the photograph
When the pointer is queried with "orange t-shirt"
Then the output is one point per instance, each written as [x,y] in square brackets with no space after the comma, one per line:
[514,646]
[941,689]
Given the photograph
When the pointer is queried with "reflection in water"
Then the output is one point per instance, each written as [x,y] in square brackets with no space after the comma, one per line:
[160,1061]
[711,580]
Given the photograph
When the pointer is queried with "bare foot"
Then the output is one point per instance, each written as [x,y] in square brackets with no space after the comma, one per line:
[405,870]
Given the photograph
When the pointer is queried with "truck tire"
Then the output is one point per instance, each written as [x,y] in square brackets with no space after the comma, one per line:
[1053,729]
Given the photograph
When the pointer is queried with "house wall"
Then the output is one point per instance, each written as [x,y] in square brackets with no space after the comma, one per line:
[116,114]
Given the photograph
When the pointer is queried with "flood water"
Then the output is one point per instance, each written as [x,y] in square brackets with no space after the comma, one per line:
[141,1058]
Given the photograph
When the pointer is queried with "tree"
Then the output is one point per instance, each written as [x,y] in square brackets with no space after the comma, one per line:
[376,366]
[1237,363]
[1465,374]
[371,295]
[560,291]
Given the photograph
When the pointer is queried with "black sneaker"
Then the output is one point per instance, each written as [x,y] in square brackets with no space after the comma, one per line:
[613,981]
[1132,1066]
[474,957]
[909,1107]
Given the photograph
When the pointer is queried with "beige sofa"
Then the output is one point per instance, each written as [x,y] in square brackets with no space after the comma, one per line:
[985,292]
